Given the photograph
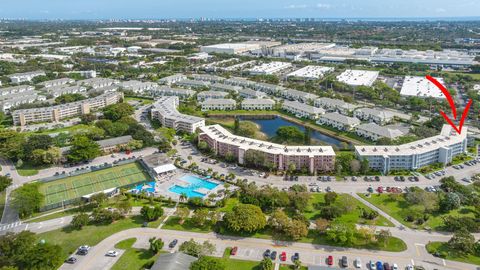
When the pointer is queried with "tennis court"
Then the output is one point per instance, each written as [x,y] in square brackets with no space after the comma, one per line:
[77,186]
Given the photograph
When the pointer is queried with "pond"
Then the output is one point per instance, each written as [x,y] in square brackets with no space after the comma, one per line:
[269,127]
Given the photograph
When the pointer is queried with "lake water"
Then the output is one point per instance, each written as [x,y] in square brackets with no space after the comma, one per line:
[270,126]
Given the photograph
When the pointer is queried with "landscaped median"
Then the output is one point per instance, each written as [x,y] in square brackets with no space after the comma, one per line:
[443,250]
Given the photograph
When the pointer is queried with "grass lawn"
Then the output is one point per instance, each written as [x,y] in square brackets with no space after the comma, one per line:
[350,217]
[233,264]
[91,235]
[231,202]
[396,209]
[447,253]
[144,101]
[28,169]
[173,224]
[133,258]
[76,186]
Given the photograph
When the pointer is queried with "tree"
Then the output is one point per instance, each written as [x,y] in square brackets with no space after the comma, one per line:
[208,263]
[266,264]
[383,236]
[199,217]
[279,221]
[151,213]
[105,216]
[330,198]
[196,249]
[98,199]
[307,136]
[289,134]
[355,166]
[88,118]
[22,251]
[364,166]
[117,111]
[462,242]
[124,206]
[182,213]
[5,181]
[297,264]
[322,225]
[450,201]
[80,220]
[296,230]
[156,244]
[245,218]
[68,98]
[26,199]
[83,148]
[341,233]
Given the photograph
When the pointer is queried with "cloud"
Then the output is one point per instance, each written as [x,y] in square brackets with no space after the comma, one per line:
[323,6]
[303,6]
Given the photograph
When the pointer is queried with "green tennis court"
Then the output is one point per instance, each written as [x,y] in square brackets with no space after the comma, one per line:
[77,186]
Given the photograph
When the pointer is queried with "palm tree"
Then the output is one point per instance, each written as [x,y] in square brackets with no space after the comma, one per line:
[183,197]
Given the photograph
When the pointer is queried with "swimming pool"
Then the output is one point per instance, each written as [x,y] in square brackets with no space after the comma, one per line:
[148,187]
[195,183]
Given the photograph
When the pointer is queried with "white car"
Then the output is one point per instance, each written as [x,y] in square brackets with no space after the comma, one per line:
[409,267]
[357,263]
[84,247]
[394,266]
[372,265]
[112,253]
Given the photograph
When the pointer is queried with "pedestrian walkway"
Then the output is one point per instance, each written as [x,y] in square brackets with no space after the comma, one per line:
[6,227]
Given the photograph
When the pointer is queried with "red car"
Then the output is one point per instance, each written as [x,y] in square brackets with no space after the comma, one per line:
[380,189]
[283,256]
[234,251]
[330,260]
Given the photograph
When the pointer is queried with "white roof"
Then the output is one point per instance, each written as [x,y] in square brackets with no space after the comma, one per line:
[314,72]
[358,77]
[164,168]
[421,87]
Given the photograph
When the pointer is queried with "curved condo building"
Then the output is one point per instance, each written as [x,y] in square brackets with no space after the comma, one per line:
[165,111]
[314,158]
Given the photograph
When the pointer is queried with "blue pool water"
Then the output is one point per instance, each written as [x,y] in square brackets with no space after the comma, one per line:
[142,187]
[195,183]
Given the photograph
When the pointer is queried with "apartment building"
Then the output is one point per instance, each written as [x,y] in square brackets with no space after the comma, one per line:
[332,105]
[59,90]
[225,88]
[372,131]
[292,94]
[137,87]
[312,158]
[7,102]
[169,91]
[302,110]
[165,111]
[411,156]
[250,93]
[211,95]
[208,78]
[25,77]
[193,84]
[257,104]
[97,82]
[380,117]
[16,89]
[57,82]
[64,111]
[172,79]
[219,104]
[338,121]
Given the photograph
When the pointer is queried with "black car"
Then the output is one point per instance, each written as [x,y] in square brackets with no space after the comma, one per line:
[71,260]
[273,255]
[296,256]
[267,253]
[82,252]
[344,261]
[173,243]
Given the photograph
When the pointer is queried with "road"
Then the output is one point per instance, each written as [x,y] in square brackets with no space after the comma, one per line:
[253,248]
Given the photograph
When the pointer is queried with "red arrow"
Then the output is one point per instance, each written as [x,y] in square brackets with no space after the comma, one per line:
[452,106]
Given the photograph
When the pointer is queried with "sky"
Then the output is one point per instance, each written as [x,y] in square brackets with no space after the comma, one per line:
[160,9]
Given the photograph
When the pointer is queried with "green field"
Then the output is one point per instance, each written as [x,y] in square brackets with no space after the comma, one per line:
[81,185]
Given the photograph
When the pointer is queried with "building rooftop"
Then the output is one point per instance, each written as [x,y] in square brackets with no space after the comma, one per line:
[358,77]
[376,112]
[219,101]
[255,101]
[447,137]
[346,120]
[222,135]
[173,261]
[382,131]
[303,107]
[311,72]
[167,106]
[421,87]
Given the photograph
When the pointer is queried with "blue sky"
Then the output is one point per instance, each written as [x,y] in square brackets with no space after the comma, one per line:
[139,9]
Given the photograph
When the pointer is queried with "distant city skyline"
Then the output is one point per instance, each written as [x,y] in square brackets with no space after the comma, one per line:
[216,9]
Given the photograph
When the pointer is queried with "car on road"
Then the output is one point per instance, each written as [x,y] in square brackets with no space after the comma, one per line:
[283,256]
[234,250]
[273,255]
[71,260]
[296,257]
[344,262]
[409,267]
[379,265]
[112,253]
[267,253]
[173,243]
[386,266]
[330,260]
[357,263]
[394,266]
[372,265]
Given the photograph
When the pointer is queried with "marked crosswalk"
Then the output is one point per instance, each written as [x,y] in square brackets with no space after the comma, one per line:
[4,227]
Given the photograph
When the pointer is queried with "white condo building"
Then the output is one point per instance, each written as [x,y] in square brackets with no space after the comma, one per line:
[380,117]
[411,156]
[338,121]
[25,77]
[219,104]
[257,104]
[302,110]
[165,111]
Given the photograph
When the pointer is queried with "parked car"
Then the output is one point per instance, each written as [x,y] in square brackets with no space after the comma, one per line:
[296,257]
[283,256]
[71,260]
[379,265]
[386,266]
[273,256]
[330,260]
[357,263]
[344,261]
[372,265]
[267,253]
[394,266]
[409,267]
[173,243]
[112,253]
[234,250]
